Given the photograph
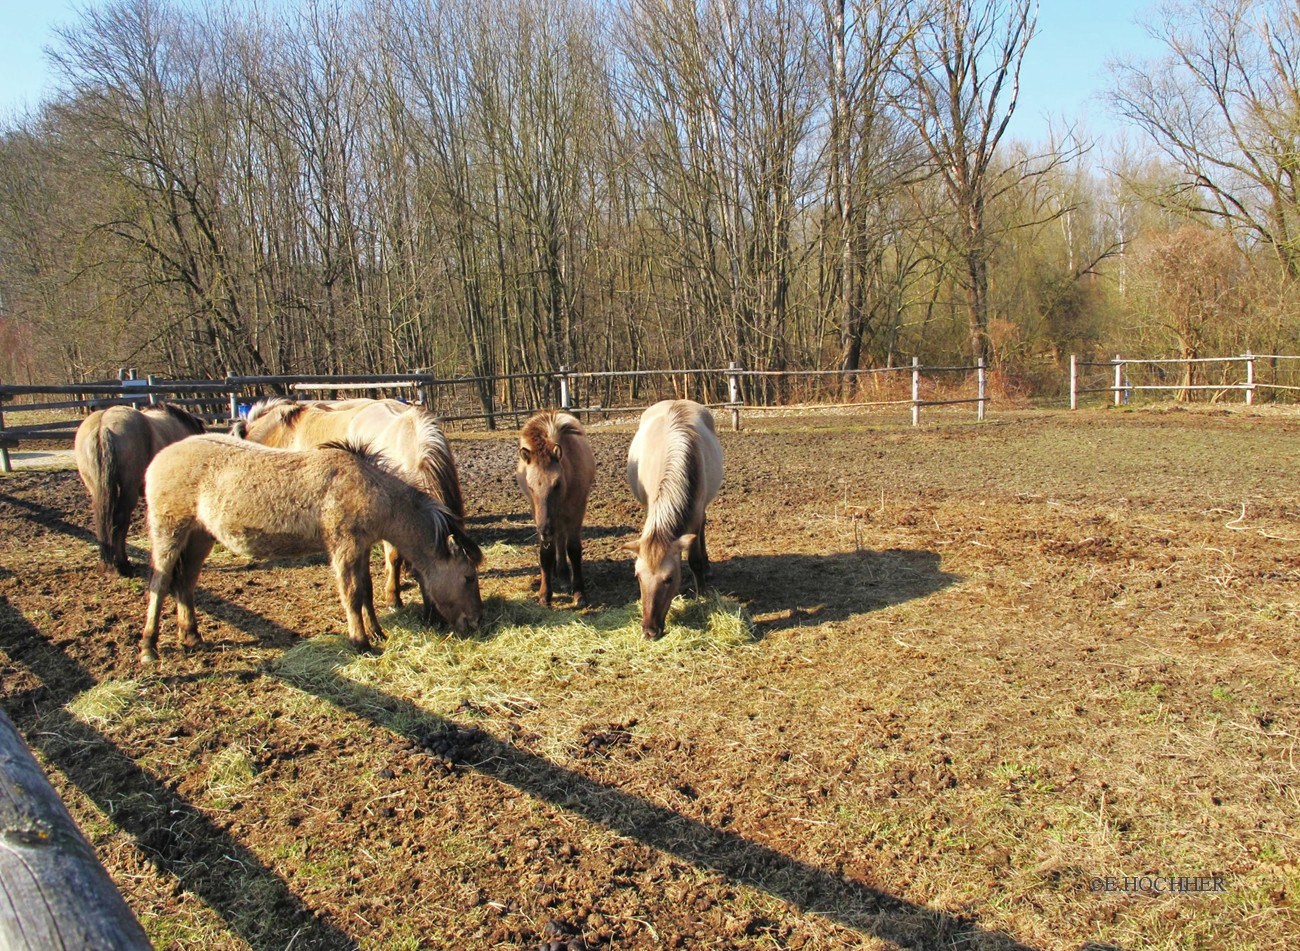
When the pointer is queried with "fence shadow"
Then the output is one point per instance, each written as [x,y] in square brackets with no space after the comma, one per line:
[45,517]
[207,861]
[255,903]
[813,890]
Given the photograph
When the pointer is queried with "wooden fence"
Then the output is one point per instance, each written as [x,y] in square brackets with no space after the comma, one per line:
[1237,374]
[510,398]
[54,893]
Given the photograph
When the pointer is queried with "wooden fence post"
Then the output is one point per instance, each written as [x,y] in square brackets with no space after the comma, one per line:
[982,378]
[916,391]
[234,399]
[54,893]
[1074,381]
[153,397]
[564,387]
[1119,379]
[5,462]
[1250,378]
[733,394]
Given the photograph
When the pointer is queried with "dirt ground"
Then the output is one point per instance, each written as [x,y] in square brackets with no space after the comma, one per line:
[992,666]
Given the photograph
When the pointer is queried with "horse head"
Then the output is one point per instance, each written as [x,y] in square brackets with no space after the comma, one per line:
[446,567]
[659,575]
[540,472]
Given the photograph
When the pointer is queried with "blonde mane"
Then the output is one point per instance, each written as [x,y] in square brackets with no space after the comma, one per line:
[437,464]
[670,515]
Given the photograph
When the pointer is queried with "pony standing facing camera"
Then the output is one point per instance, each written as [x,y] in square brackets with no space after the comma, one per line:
[555,471]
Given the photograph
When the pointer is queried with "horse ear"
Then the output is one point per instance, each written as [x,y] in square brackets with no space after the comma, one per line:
[453,549]
[525,455]
[633,546]
[556,452]
[685,542]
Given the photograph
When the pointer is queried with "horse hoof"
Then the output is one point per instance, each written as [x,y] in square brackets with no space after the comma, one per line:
[579,599]
[148,656]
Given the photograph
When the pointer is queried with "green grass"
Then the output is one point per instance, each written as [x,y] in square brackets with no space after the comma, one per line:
[519,643]
[105,703]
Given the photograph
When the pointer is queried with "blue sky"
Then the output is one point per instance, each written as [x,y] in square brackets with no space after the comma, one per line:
[1064,69]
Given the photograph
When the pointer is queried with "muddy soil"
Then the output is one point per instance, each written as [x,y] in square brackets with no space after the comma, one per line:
[989,665]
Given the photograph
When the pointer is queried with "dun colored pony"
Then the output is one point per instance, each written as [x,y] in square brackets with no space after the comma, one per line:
[270,503]
[113,448]
[406,436]
[555,471]
[674,467]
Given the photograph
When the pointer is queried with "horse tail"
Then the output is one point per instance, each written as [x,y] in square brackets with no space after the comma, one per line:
[107,502]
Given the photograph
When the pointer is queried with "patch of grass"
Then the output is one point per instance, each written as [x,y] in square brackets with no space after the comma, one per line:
[520,643]
[106,702]
[231,772]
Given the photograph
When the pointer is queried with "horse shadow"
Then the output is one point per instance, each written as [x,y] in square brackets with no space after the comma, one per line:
[794,590]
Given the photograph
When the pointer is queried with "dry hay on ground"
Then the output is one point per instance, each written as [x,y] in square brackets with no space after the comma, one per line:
[953,676]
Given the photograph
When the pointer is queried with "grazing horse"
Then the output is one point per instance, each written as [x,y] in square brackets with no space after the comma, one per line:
[113,447]
[555,471]
[268,503]
[407,436]
[674,467]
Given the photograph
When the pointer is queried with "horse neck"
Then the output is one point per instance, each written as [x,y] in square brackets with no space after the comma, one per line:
[672,506]
[408,524]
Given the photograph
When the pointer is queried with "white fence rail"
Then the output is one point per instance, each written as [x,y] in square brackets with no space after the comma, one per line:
[512,397]
[1123,386]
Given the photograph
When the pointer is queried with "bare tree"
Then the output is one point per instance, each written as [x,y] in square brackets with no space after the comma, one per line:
[1224,107]
[959,84]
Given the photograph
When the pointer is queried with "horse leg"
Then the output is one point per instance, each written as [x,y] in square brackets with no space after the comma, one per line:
[575,560]
[392,576]
[546,554]
[699,559]
[563,572]
[369,620]
[121,525]
[348,564]
[166,547]
[187,576]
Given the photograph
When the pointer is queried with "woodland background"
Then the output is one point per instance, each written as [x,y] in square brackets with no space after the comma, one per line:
[505,186]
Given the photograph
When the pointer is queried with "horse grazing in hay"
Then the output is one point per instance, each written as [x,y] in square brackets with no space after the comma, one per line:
[113,448]
[268,503]
[674,467]
[406,436]
[555,471]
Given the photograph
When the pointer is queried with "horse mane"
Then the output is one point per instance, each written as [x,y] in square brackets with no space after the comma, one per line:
[447,525]
[437,463]
[262,407]
[679,485]
[184,417]
[364,454]
[544,431]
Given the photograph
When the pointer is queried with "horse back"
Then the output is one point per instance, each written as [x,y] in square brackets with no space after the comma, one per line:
[664,429]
